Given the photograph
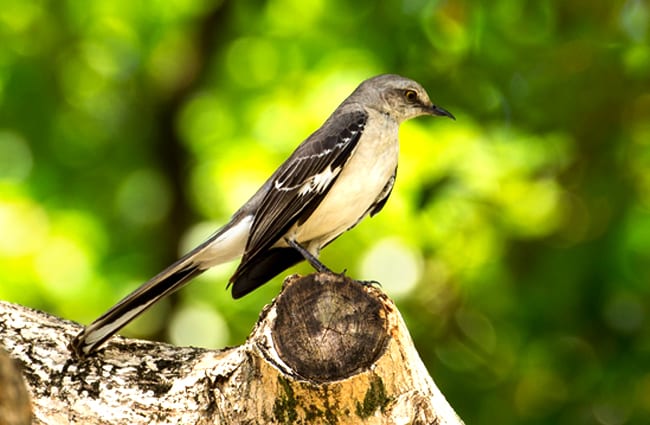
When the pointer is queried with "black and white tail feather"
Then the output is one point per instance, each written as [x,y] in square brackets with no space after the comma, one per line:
[341,173]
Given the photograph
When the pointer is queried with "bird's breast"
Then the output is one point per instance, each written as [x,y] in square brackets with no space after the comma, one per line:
[357,187]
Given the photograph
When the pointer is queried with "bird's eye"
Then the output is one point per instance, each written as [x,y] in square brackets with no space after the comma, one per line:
[410,96]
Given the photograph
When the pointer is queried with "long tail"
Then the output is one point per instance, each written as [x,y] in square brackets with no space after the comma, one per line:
[226,244]
[132,306]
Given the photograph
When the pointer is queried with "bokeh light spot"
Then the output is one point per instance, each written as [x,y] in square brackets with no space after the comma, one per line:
[393,264]
[24,227]
[252,61]
[636,60]
[63,266]
[634,19]
[17,16]
[198,326]
[204,121]
[293,16]
[144,198]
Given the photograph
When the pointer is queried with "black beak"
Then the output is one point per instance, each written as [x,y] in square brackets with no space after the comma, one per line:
[437,110]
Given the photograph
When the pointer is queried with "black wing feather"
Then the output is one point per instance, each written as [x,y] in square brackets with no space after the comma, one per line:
[383,196]
[264,267]
[284,204]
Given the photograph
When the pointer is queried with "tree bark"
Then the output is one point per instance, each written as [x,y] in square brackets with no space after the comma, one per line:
[328,350]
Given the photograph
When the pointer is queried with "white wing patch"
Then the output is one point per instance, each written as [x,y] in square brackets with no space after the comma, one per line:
[318,182]
[324,152]
[279,185]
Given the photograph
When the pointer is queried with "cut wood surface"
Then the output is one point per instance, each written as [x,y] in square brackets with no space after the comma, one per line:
[328,350]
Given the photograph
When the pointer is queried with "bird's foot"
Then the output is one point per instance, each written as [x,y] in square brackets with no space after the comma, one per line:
[369,283]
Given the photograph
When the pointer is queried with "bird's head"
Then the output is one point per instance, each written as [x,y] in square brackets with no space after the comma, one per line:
[397,96]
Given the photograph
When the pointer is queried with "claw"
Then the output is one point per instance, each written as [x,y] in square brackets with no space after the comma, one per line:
[369,283]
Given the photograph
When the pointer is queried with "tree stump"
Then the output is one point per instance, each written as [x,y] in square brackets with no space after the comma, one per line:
[328,350]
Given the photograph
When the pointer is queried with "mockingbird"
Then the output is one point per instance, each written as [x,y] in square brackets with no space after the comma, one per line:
[341,173]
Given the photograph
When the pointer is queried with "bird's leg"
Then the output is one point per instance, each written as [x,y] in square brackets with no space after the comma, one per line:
[311,258]
[320,267]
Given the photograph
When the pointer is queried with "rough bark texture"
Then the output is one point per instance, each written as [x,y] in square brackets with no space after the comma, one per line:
[327,351]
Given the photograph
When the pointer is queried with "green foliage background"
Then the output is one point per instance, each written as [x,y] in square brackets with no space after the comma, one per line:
[516,242]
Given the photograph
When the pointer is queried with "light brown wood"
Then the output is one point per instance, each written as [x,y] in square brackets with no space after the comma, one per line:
[15,405]
[345,357]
